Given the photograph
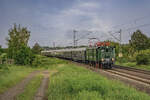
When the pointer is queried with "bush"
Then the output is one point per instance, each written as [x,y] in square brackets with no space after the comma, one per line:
[24,56]
[142,59]
[37,61]
[3,57]
[122,60]
[40,61]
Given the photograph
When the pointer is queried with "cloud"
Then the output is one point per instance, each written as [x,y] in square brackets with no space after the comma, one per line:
[54,20]
[81,16]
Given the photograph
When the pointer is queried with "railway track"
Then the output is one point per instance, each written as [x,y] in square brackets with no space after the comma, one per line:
[132,69]
[139,79]
[131,73]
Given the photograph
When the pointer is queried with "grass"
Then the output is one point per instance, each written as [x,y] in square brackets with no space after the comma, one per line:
[46,62]
[31,89]
[11,75]
[68,82]
[134,65]
[77,83]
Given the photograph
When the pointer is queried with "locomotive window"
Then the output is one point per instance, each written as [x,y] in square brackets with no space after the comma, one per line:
[107,50]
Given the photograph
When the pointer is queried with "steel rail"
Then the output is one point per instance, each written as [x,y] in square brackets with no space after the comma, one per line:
[132,69]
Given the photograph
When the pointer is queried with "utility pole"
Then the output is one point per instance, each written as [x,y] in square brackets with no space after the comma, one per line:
[120,48]
[54,45]
[74,38]
[120,35]
[119,39]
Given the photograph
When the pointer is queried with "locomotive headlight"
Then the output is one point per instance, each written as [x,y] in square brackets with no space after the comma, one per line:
[102,59]
[113,59]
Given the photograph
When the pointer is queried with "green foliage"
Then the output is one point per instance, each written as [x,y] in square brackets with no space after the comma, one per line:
[143,57]
[17,45]
[134,65]
[140,59]
[0,50]
[3,57]
[3,50]
[139,41]
[37,61]
[122,59]
[36,48]
[24,56]
[40,61]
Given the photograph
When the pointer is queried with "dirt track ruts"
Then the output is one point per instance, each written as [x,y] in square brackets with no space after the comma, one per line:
[40,95]
[11,93]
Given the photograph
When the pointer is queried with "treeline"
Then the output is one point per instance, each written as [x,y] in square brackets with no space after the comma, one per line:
[18,49]
[137,50]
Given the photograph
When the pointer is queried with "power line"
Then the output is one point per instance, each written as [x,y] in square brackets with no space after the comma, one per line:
[132,21]
[144,25]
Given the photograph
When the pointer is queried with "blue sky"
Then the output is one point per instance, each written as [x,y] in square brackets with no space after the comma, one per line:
[53,20]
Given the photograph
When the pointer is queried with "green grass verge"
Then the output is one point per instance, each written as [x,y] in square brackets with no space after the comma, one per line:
[11,75]
[77,83]
[31,89]
[134,65]
[46,62]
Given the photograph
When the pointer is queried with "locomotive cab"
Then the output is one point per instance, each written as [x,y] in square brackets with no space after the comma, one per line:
[106,56]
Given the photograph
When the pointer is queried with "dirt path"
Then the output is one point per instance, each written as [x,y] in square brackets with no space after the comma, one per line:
[40,95]
[11,93]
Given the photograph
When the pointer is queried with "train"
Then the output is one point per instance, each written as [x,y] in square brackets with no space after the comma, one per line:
[102,55]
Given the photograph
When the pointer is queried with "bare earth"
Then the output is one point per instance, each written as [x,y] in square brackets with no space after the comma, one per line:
[11,93]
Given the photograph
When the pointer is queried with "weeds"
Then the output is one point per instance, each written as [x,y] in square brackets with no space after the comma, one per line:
[31,89]
[77,83]
[11,75]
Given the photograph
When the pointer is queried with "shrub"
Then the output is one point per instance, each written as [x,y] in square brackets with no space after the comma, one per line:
[24,56]
[122,60]
[142,59]
[37,61]
[3,57]
[40,61]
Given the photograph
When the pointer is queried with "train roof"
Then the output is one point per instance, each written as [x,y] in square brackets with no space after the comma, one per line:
[65,50]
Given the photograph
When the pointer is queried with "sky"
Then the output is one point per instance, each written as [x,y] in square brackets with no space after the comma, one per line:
[54,20]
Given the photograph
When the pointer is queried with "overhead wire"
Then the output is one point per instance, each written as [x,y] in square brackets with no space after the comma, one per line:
[132,21]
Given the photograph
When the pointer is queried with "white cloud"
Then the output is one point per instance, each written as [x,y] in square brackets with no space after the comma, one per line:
[81,16]
[89,5]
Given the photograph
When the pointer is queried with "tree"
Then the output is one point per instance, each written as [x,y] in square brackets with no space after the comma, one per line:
[1,50]
[139,41]
[18,45]
[36,48]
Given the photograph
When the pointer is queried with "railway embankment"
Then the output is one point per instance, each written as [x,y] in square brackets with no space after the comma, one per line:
[133,65]
[137,78]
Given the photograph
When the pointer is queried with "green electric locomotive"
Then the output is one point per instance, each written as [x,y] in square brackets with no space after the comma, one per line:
[101,56]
